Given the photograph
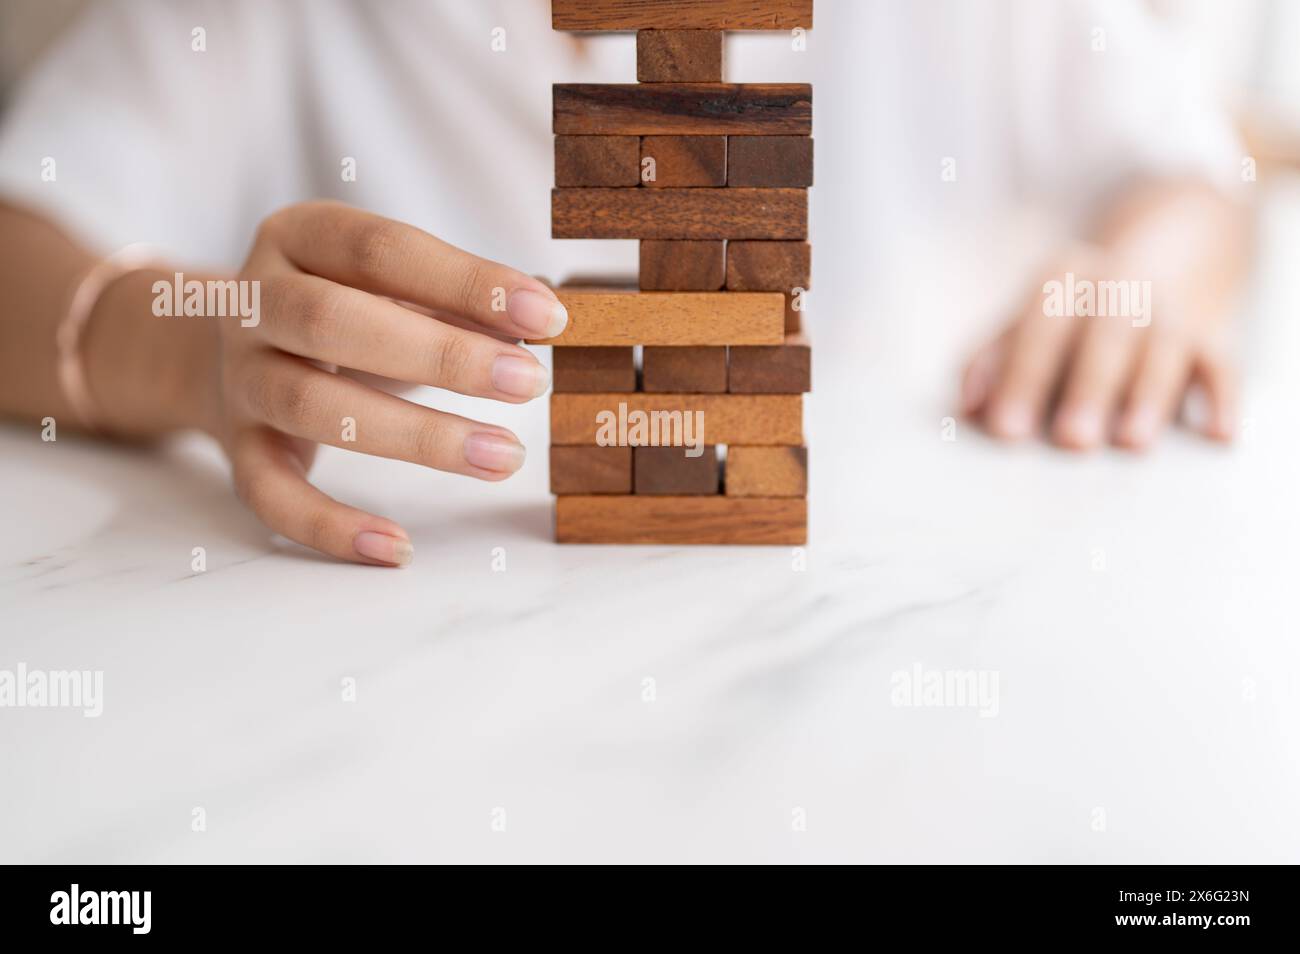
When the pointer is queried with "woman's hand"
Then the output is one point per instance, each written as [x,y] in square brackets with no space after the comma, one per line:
[1171,255]
[1089,379]
[330,281]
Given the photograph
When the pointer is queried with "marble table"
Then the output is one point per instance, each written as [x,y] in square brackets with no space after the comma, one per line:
[1133,622]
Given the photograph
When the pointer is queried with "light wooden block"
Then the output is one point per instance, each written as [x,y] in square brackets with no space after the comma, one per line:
[759,419]
[607,318]
[716,520]
[766,471]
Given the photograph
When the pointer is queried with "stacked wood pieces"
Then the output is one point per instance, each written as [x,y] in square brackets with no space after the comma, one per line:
[702,441]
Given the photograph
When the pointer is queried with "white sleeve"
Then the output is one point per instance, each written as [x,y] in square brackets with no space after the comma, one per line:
[125,132]
[1104,93]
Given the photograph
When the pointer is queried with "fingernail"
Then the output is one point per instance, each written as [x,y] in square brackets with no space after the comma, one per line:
[1080,425]
[1139,426]
[494,452]
[519,376]
[384,548]
[1012,420]
[539,315]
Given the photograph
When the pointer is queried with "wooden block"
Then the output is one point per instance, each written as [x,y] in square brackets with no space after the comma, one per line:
[716,520]
[684,370]
[759,419]
[686,109]
[682,266]
[679,56]
[589,370]
[679,213]
[602,281]
[624,15]
[770,162]
[614,317]
[769,266]
[668,470]
[591,470]
[773,369]
[766,472]
[597,161]
[683,161]
[793,316]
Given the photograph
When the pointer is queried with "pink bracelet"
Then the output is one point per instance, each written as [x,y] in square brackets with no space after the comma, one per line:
[67,339]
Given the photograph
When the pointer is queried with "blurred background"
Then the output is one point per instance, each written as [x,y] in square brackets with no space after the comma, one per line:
[1246,47]
[876,180]
[1245,50]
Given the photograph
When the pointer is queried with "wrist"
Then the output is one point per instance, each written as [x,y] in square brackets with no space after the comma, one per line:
[147,376]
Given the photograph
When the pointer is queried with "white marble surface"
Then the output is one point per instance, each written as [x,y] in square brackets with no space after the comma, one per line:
[1162,689]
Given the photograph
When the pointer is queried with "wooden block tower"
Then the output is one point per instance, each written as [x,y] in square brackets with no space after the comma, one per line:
[712,178]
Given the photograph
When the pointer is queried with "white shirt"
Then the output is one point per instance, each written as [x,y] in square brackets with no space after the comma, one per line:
[154,141]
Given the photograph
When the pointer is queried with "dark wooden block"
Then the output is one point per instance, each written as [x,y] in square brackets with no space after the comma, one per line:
[667,470]
[624,15]
[597,161]
[682,266]
[679,56]
[770,162]
[592,370]
[769,266]
[771,369]
[702,370]
[683,161]
[680,213]
[591,470]
[688,109]
[793,316]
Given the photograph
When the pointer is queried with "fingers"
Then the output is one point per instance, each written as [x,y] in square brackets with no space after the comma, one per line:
[387,257]
[1101,367]
[319,319]
[981,374]
[1158,386]
[269,478]
[293,396]
[456,321]
[1035,355]
[1217,376]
